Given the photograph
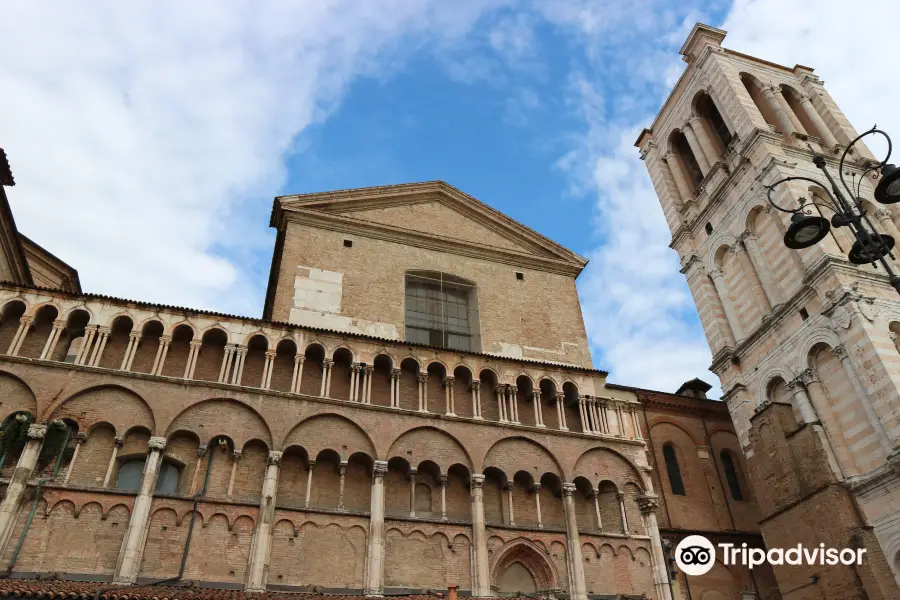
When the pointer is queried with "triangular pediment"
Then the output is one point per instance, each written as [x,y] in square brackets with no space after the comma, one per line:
[429,210]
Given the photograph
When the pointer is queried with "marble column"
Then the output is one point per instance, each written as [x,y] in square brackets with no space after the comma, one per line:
[761,265]
[161,352]
[375,542]
[577,588]
[874,421]
[537,505]
[538,409]
[481,580]
[696,148]
[309,476]
[412,491]
[235,459]
[698,126]
[423,392]
[261,546]
[99,346]
[513,395]
[135,537]
[342,471]
[684,190]
[449,397]
[201,452]
[326,377]
[443,482]
[80,438]
[621,498]
[781,116]
[509,486]
[813,115]
[501,404]
[237,372]
[196,346]
[18,483]
[87,340]
[476,399]
[731,315]
[16,343]
[395,388]
[355,369]
[134,342]
[369,372]
[808,415]
[118,442]
[648,504]
[561,403]
[297,376]
[226,363]
[595,494]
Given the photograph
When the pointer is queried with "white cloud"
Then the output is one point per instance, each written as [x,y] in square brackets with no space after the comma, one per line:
[140,132]
[853,51]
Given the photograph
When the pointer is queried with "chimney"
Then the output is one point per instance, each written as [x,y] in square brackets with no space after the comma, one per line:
[451,592]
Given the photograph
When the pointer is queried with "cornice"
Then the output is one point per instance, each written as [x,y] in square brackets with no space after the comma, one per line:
[438,191]
[435,242]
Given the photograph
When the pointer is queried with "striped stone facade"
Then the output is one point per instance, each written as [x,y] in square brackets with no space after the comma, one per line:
[804,331]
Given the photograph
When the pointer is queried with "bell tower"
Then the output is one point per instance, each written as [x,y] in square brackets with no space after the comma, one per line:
[803,341]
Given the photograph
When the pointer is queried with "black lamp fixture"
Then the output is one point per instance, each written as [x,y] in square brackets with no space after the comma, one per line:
[808,228]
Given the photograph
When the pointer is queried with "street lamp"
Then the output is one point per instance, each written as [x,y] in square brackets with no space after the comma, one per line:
[808,229]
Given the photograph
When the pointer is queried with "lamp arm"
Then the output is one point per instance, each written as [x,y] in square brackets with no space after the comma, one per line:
[871,168]
[834,207]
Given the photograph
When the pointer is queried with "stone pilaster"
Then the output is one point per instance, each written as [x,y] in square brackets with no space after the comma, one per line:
[375,546]
[577,588]
[135,537]
[481,580]
[648,504]
[18,483]
[261,547]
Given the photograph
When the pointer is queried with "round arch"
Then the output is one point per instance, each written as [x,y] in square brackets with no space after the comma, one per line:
[428,443]
[349,432]
[507,455]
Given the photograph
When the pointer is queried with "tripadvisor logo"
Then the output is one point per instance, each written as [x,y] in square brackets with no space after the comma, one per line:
[696,555]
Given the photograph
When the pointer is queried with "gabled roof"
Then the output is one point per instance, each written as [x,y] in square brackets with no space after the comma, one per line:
[338,209]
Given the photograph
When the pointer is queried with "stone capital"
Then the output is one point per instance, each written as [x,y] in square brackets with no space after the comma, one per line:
[513,390]
[443,478]
[118,441]
[134,335]
[270,354]
[840,352]
[568,489]
[716,274]
[477,480]
[536,487]
[299,358]
[157,443]
[882,214]
[808,376]
[380,468]
[240,350]
[26,320]
[237,455]
[196,343]
[274,458]
[165,339]
[103,329]
[647,503]
[423,377]
[327,363]
[369,369]
[509,485]
[476,385]
[355,367]
[395,373]
[80,437]
[58,324]
[311,463]
[37,431]
[201,450]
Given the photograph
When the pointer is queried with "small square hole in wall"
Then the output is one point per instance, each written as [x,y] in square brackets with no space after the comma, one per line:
[520,276]
[804,314]
[348,243]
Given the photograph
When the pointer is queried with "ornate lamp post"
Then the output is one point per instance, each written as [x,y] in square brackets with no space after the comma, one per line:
[808,229]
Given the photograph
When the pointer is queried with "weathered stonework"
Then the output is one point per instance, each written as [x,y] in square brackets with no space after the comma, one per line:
[803,329]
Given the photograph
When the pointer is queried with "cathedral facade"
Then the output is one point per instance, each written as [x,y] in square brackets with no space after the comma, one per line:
[804,341]
[415,412]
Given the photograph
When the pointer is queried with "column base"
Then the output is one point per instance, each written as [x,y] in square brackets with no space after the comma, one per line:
[478,418]
[450,414]
[563,428]
[540,425]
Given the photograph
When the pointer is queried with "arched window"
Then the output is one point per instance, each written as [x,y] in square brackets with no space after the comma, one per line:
[673,470]
[707,109]
[690,166]
[132,473]
[441,310]
[731,475]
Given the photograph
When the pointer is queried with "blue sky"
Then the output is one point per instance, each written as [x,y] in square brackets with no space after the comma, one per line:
[148,139]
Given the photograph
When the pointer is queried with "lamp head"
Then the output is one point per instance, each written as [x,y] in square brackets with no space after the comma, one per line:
[805,231]
[864,254]
[888,189]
